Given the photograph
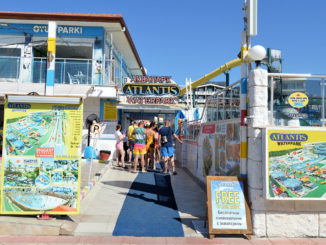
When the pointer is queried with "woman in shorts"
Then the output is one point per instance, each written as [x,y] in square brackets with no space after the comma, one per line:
[119,146]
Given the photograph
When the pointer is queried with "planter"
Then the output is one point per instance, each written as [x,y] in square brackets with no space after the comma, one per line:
[105,155]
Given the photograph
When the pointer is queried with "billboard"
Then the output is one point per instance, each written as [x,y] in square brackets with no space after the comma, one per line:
[41,158]
[295,163]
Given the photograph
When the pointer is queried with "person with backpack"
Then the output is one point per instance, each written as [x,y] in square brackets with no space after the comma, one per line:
[165,142]
[131,138]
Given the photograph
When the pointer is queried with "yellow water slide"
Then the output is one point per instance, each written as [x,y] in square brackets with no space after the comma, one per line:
[227,66]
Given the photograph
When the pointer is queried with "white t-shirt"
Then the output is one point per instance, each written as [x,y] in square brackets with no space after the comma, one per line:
[117,135]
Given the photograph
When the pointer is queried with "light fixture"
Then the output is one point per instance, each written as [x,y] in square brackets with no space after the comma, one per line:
[43,99]
[257,53]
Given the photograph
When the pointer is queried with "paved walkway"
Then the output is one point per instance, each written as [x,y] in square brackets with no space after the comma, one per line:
[153,241]
[104,209]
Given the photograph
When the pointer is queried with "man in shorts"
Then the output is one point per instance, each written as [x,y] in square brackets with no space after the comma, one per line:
[167,150]
[140,146]
[131,138]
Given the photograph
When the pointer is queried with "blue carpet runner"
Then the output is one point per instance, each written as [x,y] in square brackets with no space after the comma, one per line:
[149,209]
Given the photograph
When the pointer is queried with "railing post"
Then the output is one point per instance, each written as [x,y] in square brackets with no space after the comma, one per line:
[87,71]
[17,70]
[41,65]
[323,100]
[272,102]
[64,71]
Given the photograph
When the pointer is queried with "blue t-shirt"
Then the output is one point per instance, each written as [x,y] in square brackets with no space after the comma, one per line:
[166,131]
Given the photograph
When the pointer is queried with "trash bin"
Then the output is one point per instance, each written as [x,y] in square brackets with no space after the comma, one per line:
[105,155]
[88,152]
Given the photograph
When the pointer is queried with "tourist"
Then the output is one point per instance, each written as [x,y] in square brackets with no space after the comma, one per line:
[150,145]
[131,138]
[157,152]
[119,146]
[166,144]
[140,146]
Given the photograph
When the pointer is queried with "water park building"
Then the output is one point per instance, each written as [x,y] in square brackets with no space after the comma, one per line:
[95,58]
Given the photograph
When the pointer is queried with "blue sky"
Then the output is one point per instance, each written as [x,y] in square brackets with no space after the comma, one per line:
[191,38]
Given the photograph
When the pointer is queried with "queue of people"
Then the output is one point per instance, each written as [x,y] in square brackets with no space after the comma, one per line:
[147,144]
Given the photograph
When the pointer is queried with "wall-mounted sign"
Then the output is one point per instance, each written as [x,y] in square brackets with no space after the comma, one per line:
[228,210]
[41,158]
[151,100]
[151,79]
[298,115]
[151,90]
[298,100]
[295,163]
[208,129]
[62,30]
[110,110]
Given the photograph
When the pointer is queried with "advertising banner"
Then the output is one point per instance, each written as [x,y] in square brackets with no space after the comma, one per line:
[295,163]
[110,110]
[41,158]
[219,150]
[228,210]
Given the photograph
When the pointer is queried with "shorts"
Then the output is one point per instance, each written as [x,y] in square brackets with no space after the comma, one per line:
[139,149]
[119,145]
[131,145]
[167,151]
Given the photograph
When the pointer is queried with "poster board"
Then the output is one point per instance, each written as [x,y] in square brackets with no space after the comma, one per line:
[228,210]
[41,161]
[110,110]
[295,163]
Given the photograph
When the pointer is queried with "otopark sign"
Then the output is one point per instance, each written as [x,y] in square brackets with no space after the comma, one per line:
[151,90]
[298,100]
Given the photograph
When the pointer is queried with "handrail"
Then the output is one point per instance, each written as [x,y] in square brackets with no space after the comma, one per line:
[227,66]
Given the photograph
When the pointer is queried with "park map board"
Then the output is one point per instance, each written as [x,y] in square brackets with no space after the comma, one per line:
[295,163]
[41,158]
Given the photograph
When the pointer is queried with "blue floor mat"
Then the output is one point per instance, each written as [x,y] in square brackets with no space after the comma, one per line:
[149,209]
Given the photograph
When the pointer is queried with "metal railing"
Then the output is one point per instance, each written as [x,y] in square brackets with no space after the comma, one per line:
[67,71]
[282,85]
[223,105]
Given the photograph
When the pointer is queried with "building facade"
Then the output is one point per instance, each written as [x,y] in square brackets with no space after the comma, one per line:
[94,53]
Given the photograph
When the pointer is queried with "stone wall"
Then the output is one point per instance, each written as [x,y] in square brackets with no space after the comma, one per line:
[274,218]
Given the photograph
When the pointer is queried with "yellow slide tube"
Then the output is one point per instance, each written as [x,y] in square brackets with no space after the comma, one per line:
[227,66]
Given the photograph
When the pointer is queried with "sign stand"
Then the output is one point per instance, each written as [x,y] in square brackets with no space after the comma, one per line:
[96,129]
[227,206]
[44,216]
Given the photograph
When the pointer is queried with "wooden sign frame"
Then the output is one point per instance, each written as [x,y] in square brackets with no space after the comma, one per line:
[247,232]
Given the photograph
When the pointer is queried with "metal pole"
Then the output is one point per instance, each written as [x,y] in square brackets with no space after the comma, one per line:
[272,101]
[52,31]
[323,100]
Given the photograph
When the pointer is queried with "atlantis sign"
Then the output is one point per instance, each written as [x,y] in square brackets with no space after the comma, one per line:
[151,90]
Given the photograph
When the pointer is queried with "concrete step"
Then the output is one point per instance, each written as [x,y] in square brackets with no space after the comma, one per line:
[31,226]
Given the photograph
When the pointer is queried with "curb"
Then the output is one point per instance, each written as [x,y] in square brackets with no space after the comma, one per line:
[92,183]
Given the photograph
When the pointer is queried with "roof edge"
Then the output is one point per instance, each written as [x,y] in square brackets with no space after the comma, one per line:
[76,17]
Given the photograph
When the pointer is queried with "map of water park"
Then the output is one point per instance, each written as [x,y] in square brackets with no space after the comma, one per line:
[38,129]
[41,158]
[298,168]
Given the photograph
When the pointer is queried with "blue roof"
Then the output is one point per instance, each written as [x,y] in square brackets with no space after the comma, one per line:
[292,183]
